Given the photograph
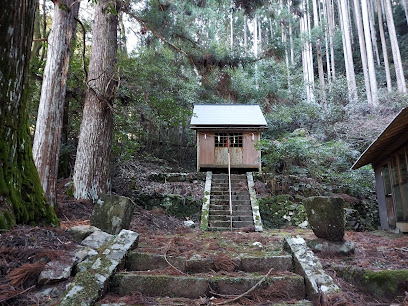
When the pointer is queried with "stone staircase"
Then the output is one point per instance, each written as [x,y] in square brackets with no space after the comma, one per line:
[219,213]
[149,275]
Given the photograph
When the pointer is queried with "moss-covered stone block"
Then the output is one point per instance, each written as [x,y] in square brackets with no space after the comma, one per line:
[112,213]
[326,217]
[386,283]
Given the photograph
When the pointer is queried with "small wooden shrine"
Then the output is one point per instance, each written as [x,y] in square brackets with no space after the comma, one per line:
[228,128]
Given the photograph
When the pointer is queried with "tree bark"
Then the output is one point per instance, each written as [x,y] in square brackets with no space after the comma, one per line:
[326,39]
[370,57]
[319,52]
[371,24]
[22,199]
[292,54]
[363,50]
[307,58]
[245,35]
[330,16]
[369,48]
[384,46]
[399,72]
[256,49]
[47,139]
[92,165]
[348,56]
[284,43]
[404,4]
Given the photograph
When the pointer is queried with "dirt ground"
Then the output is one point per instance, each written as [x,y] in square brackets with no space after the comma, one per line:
[24,251]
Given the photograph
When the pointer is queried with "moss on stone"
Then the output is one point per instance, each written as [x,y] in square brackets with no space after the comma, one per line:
[173,204]
[386,283]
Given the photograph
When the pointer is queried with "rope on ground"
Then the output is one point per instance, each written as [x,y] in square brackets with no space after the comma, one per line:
[247,292]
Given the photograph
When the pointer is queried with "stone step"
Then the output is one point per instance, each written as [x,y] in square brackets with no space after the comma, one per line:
[226,212]
[225,176]
[226,224]
[247,217]
[226,193]
[243,206]
[234,185]
[125,283]
[226,201]
[233,197]
[138,261]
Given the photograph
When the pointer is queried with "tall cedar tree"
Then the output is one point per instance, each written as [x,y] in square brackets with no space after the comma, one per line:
[22,199]
[47,138]
[92,165]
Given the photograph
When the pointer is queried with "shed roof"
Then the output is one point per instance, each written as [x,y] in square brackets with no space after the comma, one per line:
[227,115]
[393,136]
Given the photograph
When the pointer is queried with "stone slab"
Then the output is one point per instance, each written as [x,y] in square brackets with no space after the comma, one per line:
[254,204]
[146,261]
[322,245]
[92,280]
[163,285]
[199,264]
[263,264]
[96,239]
[308,265]
[294,284]
[56,271]
[205,211]
[80,232]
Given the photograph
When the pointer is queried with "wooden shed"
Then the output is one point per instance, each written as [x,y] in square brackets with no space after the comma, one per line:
[228,128]
[388,155]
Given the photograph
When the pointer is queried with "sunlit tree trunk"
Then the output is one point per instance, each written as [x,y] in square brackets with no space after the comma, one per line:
[255,25]
[399,72]
[307,59]
[231,31]
[260,34]
[326,40]
[284,42]
[404,4]
[47,139]
[292,53]
[370,58]
[319,52]
[348,56]
[363,50]
[331,24]
[371,23]
[123,37]
[92,165]
[245,34]
[22,199]
[384,46]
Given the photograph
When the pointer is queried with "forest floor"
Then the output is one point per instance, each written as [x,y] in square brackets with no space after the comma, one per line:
[24,250]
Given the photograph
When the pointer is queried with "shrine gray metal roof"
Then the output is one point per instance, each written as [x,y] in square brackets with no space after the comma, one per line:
[227,115]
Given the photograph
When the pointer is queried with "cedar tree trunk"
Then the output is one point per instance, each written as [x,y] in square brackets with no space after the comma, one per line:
[47,138]
[22,199]
[92,164]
